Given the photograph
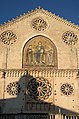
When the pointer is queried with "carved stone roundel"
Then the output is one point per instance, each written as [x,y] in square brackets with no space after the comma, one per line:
[39,89]
[13,88]
[39,24]
[67,89]
[70,38]
[8,37]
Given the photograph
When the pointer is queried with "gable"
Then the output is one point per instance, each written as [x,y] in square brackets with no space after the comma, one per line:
[15,34]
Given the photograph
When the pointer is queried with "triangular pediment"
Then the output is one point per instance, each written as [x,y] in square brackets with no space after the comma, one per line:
[37,11]
[36,26]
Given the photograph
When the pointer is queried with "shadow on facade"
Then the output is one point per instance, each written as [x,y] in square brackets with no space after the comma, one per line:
[24,104]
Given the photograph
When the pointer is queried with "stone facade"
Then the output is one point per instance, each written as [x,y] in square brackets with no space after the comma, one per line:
[39,62]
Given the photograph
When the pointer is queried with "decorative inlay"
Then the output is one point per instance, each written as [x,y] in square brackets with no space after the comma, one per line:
[39,88]
[70,38]
[67,89]
[13,88]
[39,24]
[8,37]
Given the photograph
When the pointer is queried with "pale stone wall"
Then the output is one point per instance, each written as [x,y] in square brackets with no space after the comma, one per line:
[24,31]
[11,58]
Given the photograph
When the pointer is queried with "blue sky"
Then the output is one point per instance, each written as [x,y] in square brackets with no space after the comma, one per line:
[68,9]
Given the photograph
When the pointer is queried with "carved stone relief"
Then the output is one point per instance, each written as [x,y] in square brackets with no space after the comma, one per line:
[39,24]
[70,38]
[67,89]
[13,88]
[8,37]
[39,88]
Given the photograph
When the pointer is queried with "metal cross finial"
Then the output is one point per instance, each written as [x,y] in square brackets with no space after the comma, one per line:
[39,7]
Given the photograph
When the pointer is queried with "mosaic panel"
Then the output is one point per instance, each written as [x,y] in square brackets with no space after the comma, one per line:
[39,51]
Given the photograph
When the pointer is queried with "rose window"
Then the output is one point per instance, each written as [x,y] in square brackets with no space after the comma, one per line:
[39,24]
[39,88]
[13,88]
[8,37]
[70,38]
[66,89]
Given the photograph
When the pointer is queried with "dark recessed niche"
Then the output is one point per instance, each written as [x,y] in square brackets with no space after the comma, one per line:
[24,93]
[73,106]
[23,99]
[73,100]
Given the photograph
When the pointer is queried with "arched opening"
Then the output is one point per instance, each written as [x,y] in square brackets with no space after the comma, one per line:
[39,51]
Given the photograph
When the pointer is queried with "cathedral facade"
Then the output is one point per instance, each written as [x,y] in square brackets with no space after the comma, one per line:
[39,62]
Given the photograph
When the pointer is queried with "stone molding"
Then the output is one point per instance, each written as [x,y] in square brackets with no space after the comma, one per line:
[40,72]
[33,12]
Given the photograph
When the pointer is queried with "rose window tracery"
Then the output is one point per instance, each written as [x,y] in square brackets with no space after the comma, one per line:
[67,89]
[70,38]
[39,88]
[13,88]
[39,24]
[8,37]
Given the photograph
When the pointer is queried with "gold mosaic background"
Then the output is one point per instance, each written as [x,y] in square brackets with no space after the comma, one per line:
[41,51]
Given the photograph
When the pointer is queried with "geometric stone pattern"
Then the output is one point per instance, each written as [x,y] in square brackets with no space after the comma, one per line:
[39,88]
[67,89]
[8,37]
[70,38]
[39,24]
[13,88]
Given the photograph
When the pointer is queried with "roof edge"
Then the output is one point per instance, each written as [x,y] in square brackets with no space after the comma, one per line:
[36,10]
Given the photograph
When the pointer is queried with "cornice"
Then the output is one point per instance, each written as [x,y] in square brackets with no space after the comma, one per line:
[33,12]
[41,72]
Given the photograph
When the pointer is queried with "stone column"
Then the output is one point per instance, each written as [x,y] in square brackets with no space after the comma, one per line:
[58,116]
